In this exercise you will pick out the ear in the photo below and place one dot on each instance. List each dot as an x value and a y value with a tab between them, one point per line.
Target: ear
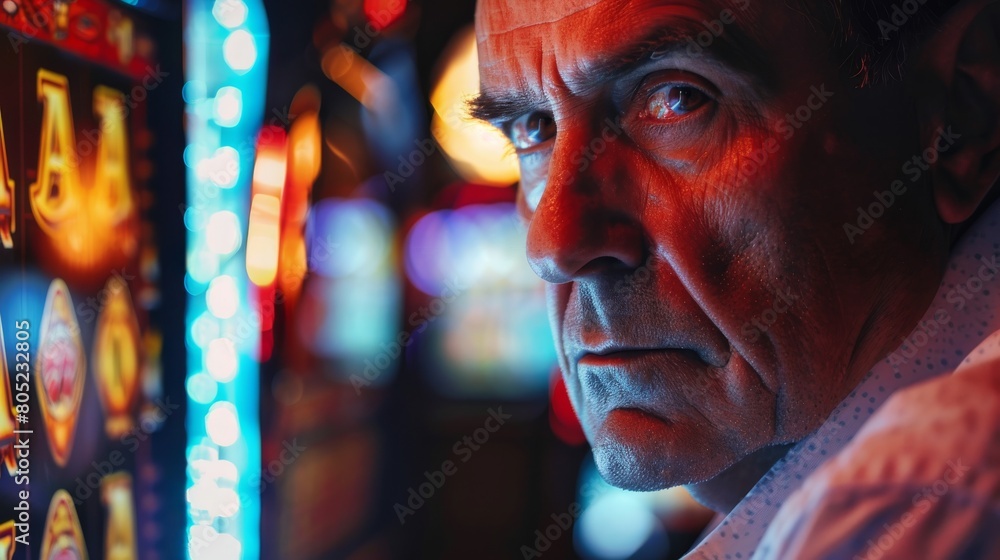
957	86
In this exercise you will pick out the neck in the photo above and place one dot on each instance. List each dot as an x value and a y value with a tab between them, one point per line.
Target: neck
724	491
988	201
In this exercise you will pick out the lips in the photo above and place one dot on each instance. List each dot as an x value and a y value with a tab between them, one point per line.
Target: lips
653	380
609	352
628	357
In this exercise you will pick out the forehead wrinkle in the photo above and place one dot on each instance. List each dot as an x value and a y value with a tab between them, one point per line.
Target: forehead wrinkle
518	15
563	74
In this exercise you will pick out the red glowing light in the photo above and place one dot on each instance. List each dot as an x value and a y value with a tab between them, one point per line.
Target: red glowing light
383	13
562	418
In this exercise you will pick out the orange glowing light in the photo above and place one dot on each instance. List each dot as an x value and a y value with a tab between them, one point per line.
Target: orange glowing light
305	148
264	226
112	183
116	357
477	151
63	537
305	144
262	239
52	195
7	542
6	195
83	204
360	78
120	539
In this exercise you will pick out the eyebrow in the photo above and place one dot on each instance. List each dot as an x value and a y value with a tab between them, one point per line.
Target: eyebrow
733	48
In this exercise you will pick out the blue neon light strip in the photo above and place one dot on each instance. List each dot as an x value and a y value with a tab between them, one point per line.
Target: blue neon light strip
223	449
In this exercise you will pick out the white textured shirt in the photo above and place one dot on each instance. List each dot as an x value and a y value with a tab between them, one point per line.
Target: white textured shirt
908	465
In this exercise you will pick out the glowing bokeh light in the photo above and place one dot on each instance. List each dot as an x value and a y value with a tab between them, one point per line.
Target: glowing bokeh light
615	526
240	50
226	49
475	245
222	169
202	266
223	235
221	360
201	388
193	91
204	329
383	13
347	237
359	78
208	544
228	106
477	151
305	147
222	425
230	13
264	226
263	239
194	219
223	297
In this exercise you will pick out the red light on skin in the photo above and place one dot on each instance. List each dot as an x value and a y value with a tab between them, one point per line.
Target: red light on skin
562	417
383	13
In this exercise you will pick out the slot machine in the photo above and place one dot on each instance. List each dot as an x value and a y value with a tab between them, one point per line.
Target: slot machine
82	398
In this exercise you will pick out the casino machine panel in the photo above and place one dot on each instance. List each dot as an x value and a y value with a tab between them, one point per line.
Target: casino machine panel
82	396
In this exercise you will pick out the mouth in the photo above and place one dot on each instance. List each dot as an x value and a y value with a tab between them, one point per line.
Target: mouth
617	355
631	356
651	380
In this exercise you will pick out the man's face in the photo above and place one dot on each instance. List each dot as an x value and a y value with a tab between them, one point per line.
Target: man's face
688	170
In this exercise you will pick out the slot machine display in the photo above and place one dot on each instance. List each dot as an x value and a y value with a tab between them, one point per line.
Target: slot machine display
82	394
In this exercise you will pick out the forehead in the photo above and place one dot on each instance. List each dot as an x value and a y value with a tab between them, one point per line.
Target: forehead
498	16
519	40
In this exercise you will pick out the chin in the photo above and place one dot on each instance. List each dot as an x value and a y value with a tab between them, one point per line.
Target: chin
636	451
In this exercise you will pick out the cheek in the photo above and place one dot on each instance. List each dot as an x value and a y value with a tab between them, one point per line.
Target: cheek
556	298
534	170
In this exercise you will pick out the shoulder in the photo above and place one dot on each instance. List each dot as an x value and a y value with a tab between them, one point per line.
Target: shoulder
922	475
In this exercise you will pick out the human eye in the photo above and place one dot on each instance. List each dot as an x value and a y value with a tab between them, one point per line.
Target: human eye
530	130
669	113
673	101
673	96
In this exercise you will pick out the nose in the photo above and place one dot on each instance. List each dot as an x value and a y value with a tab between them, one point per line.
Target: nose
588	220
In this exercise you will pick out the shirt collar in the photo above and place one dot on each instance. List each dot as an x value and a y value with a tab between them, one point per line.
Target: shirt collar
959	318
